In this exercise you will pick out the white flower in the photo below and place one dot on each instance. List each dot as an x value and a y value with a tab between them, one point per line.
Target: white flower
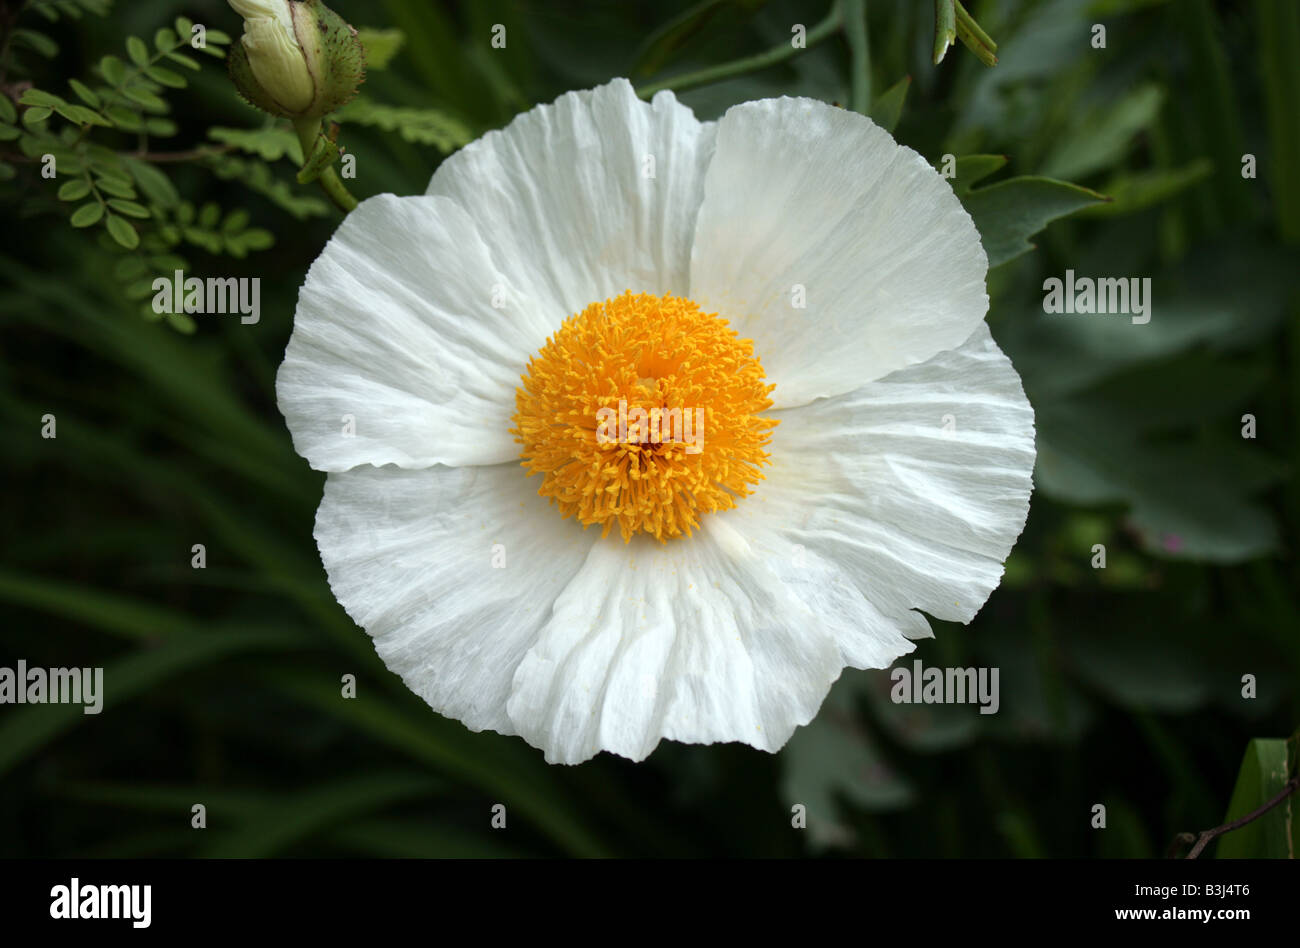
897	478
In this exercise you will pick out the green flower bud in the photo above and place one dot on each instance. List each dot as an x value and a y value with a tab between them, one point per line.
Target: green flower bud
296	59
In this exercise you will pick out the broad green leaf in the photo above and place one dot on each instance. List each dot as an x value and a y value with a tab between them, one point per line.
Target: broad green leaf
153	182
380	46
137	50
165	39
189	62
129	208
166	77
1104	135
1265	770
82	115
117	187
122	231
38	42
160	127
887	109
40	97
87	214
143	97
1136	191
124	118
1010	212
74	190
113	70
972	169
7	111
84	93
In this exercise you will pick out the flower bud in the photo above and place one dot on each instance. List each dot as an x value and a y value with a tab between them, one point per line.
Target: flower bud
296	59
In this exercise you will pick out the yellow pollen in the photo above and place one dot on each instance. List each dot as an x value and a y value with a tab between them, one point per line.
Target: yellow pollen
644	411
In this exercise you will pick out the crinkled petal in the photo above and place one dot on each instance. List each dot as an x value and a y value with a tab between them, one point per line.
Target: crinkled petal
912	489
587	197
697	640
419	316
415	556
842	254
398	355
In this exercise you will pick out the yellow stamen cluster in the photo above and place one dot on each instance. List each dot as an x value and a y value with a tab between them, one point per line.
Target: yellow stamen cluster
655	354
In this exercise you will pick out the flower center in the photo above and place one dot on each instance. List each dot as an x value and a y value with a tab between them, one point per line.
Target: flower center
644	411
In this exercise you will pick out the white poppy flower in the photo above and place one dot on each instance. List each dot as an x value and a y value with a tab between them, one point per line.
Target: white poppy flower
589	252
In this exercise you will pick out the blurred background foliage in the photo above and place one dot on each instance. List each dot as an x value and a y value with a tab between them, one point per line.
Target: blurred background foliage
1120	686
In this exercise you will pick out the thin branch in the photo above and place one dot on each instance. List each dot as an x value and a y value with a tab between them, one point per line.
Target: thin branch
1205	837
737	67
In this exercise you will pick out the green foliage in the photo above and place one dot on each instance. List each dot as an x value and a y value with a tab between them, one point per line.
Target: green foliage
270	143
1266	770
418	125
381	46
888	109
1008	213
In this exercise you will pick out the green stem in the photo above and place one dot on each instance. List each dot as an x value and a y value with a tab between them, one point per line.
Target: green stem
855	32
945	28
974	38
738	67
307	131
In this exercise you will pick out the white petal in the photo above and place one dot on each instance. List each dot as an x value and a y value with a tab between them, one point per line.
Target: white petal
396	333
801	194
696	640
912	489
588	197
409	555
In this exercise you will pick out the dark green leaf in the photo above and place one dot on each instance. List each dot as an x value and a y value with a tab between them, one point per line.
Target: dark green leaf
74	190
142	96
1264	773
113	70
166	77
122	231
87	214
380	46
154	183
137	50
84	93
887	109
1008	213
129	208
